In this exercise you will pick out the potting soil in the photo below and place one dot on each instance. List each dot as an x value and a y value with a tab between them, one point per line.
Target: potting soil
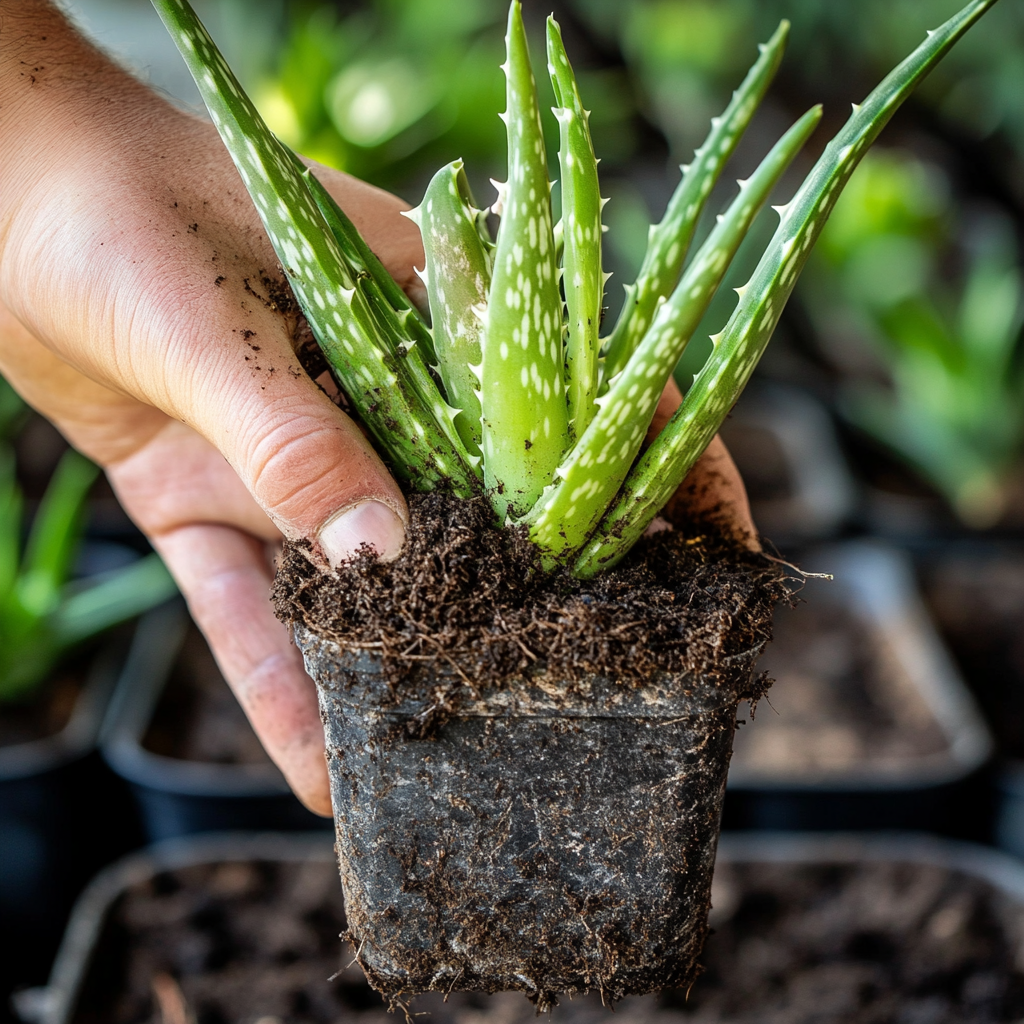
867	943
469	598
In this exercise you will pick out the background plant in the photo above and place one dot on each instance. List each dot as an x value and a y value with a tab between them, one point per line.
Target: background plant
953	404
562	418
44	611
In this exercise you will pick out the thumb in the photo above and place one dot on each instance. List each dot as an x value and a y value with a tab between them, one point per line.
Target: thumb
307	464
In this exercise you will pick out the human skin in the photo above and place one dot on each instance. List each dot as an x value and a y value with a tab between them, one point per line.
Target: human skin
129	258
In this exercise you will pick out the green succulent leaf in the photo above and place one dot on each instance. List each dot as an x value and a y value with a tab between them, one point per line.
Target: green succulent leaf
670	240
591	475
384	378
737	349
363	262
525	423
457	274
582	278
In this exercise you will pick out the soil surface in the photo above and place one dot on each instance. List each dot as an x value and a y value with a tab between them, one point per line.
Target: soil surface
977	598
471	598
884	943
840	700
44	712
197	717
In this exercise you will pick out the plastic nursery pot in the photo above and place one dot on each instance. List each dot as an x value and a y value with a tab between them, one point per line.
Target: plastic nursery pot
783	441
874	725
177	796
807	928
975	589
87	966
63	814
547	839
847	927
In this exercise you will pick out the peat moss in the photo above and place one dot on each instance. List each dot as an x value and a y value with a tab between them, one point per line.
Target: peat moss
468	596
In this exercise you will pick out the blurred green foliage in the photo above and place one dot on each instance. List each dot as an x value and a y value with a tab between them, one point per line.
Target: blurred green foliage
399	87
43	611
938	299
685	54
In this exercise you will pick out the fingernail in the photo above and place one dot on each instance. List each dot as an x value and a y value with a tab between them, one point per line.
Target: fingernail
370	523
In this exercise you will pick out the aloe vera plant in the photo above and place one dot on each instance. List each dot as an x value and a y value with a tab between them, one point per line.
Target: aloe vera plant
43	612
510	392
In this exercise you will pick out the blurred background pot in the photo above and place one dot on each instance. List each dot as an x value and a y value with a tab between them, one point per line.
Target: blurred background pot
910	926
181	741
785	447
869	723
63	814
975	590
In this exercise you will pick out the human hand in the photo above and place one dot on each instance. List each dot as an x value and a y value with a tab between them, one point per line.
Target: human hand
135	317
131	266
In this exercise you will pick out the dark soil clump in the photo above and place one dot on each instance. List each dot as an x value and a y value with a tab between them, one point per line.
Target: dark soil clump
470	597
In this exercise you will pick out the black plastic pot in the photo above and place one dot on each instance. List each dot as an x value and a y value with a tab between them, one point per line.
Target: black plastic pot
785	445
976	591
178	797
63	814
548	839
943	790
56	1002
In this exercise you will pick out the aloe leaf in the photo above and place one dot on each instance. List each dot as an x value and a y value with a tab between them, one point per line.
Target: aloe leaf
582	279
117	597
595	469
522	392
376	372
670	240
55	534
457	274
363	261
739	346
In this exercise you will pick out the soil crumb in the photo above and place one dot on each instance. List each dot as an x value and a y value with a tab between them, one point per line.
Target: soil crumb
470	597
